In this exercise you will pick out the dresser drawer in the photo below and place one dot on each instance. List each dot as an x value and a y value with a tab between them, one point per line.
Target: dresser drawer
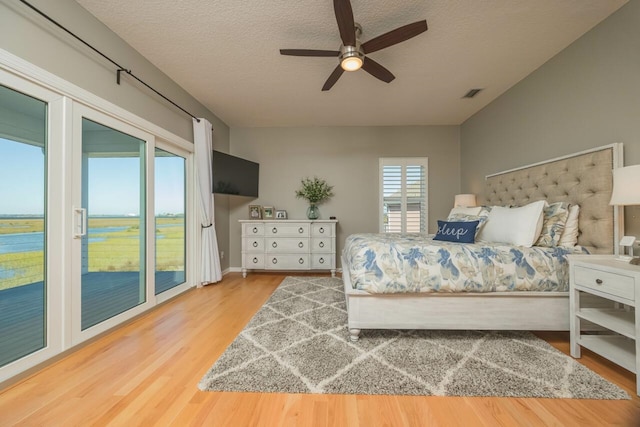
254	244
253	261
322	261
319	230
319	244
288	262
253	230
603	281
287	229
287	245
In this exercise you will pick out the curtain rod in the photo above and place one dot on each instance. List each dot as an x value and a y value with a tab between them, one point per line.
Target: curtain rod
120	67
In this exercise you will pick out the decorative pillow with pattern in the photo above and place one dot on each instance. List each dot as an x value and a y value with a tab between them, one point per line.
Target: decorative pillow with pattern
464	210
569	236
481	217
554	222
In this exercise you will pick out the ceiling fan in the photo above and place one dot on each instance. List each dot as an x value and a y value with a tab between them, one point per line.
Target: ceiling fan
352	53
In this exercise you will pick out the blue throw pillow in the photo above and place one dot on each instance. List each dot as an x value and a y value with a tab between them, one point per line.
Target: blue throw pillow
457	231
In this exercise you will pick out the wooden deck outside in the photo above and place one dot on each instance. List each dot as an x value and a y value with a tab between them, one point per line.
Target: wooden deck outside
105	294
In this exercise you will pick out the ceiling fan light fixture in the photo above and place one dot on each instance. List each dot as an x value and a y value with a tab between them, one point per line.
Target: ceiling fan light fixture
351	58
352	63
352	52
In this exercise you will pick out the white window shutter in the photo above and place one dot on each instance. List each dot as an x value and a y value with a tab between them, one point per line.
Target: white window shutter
403	189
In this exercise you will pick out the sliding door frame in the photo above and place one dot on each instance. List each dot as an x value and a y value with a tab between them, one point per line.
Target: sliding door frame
191	224
54	250
79	182
63	98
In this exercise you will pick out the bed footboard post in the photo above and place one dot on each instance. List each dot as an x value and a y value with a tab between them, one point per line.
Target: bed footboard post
354	334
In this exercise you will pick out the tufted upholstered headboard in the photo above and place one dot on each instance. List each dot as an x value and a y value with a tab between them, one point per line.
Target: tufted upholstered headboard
583	178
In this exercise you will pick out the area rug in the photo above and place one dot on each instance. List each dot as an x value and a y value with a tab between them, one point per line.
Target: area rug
298	343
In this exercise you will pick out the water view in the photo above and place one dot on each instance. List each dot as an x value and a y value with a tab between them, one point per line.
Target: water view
114	241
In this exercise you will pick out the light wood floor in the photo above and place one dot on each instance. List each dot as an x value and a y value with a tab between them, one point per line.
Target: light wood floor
146	373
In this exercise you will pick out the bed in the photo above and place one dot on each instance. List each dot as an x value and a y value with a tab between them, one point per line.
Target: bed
533	302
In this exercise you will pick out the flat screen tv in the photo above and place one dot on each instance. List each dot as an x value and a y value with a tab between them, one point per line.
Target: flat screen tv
233	175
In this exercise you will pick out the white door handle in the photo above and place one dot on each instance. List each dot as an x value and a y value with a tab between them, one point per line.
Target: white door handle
79	223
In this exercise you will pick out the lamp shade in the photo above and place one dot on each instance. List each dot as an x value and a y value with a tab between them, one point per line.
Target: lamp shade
465	201
626	186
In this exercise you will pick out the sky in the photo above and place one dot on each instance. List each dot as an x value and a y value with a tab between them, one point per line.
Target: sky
114	183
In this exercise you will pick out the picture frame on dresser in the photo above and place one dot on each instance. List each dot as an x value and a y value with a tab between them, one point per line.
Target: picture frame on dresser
255	212
267	212
281	214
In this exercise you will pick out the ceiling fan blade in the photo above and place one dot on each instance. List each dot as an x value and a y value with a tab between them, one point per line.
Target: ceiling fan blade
309	52
394	36
377	70
344	16
333	78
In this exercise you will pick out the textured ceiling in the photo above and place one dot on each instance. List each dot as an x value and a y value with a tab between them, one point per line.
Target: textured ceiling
226	54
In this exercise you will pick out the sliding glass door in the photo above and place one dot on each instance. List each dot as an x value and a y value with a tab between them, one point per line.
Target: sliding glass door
170	204
23	288
96	218
110	222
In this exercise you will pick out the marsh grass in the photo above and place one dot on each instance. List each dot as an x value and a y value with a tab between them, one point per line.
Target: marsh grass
119	251
10	226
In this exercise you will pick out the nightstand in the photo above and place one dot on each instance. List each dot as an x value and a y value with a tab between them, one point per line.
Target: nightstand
602	296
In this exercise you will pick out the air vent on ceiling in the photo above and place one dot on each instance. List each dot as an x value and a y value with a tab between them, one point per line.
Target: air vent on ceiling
471	93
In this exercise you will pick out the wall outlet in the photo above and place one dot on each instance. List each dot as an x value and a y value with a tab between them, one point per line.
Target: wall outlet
221	254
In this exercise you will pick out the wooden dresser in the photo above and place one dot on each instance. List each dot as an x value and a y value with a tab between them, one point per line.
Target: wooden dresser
288	245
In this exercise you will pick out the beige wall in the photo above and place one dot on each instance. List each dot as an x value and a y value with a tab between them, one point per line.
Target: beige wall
347	157
586	96
29	36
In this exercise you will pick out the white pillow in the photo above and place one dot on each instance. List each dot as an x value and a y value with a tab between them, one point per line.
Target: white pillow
465	211
518	226
569	236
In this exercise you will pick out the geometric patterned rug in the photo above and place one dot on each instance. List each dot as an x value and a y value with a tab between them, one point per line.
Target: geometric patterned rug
298	343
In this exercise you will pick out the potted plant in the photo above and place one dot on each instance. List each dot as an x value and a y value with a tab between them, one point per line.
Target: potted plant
315	191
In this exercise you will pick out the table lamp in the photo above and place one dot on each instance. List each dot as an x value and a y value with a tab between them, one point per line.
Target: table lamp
626	192
465	201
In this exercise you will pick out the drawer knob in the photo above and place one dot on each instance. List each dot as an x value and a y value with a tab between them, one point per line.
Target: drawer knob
300	230
274	244
301	261
255	229
275	260
321	229
275	230
321	260
599	281
301	245
255	244
321	244
255	260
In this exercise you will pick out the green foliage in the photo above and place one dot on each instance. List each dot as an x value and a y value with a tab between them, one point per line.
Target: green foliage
315	190
119	251
10	226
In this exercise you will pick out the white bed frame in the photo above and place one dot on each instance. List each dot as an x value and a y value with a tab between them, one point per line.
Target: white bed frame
535	311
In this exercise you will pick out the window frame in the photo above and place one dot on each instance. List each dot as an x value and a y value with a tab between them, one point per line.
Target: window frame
53	260
403	162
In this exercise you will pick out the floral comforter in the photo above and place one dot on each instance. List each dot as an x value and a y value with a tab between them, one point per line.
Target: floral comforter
396	263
